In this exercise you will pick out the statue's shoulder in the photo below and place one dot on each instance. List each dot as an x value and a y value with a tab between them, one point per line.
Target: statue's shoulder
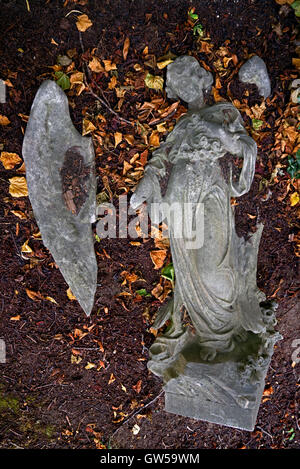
220	113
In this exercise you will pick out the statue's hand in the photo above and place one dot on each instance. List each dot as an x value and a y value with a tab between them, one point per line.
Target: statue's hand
143	192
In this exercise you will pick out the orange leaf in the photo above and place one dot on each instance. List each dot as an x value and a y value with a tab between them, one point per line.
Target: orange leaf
95	65
268	391
109	66
138	386
70	294
4	120
33	295
111	379
83	23
118	138
9	160
154	139
158	258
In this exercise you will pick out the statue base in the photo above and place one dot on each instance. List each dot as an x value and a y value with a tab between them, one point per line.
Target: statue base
225	389
214	394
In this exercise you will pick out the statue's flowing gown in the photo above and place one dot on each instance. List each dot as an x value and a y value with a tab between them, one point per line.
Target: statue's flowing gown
214	281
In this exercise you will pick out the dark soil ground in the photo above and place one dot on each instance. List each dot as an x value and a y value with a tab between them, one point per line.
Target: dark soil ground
51	394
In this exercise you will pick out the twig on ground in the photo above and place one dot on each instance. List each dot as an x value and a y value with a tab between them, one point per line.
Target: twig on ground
135	413
102	100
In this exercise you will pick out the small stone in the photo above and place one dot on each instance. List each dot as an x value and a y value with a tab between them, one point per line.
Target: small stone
64	60
254	71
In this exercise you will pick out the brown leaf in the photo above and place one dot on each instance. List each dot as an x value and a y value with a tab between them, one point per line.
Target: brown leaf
126	48
9	160
83	23
138	386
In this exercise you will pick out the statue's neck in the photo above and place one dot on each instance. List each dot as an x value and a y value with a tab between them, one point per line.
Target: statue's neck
196	105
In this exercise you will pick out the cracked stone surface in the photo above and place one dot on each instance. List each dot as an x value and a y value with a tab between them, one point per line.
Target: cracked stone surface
49	138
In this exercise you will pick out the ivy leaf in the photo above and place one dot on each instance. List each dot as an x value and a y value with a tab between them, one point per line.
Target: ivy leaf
294	166
143	292
256	124
168	272
62	80
296	6
198	29
193	16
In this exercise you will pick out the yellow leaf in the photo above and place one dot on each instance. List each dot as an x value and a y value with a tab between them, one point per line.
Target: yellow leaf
109	66
89	366
88	127
161	127
95	65
49	298
154	82
118	138
129	139
111	379
26	248
294	198
18	187
83	23
127	166
75	359
9	160
19	214
70	294
123	388
163	64
126	48
4	120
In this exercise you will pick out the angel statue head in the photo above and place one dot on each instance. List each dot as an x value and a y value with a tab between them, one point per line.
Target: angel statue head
187	80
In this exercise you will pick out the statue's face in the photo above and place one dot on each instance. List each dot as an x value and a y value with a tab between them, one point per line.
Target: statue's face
186	87
186	79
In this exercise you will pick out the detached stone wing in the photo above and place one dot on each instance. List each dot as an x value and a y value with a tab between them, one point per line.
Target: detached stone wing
62	189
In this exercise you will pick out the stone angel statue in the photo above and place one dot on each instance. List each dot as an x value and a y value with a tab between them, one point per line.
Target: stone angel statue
214	282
